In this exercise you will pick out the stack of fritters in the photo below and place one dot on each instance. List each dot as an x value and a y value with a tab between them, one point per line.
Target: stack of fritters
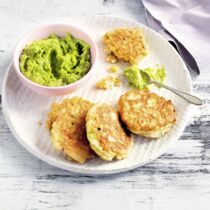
146	114
81	128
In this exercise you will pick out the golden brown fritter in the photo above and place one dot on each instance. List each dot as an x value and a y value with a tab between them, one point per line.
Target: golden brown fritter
68	128
126	44
146	113
105	133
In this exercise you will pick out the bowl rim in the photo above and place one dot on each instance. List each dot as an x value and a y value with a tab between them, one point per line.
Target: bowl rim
16	58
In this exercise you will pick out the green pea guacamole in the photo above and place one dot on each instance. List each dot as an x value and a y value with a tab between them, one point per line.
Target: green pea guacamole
55	61
137	78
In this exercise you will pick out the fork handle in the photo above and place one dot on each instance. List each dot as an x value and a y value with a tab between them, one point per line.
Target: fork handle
188	97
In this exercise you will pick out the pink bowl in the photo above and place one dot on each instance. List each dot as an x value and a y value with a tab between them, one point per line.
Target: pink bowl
43	32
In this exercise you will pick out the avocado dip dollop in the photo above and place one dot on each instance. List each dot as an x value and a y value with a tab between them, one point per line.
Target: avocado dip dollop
55	61
136	77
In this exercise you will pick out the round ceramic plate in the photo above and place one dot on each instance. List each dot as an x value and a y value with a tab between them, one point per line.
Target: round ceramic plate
26	111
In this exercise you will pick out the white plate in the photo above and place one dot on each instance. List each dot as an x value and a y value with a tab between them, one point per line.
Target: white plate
24	109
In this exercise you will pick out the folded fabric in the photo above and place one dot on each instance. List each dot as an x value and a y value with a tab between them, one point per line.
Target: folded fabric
186	24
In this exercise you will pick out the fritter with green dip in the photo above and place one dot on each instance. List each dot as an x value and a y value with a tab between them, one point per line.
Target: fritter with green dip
56	61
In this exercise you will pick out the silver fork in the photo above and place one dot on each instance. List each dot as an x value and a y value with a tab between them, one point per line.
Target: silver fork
188	97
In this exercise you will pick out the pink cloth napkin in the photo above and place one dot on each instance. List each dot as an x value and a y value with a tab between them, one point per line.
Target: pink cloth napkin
186	24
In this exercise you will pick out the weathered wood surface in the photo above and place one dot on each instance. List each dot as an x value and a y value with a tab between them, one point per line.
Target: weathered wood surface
179	179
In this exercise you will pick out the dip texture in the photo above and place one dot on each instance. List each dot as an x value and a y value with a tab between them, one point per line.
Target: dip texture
55	61
137	79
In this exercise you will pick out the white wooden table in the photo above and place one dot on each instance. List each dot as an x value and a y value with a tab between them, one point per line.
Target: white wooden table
177	180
